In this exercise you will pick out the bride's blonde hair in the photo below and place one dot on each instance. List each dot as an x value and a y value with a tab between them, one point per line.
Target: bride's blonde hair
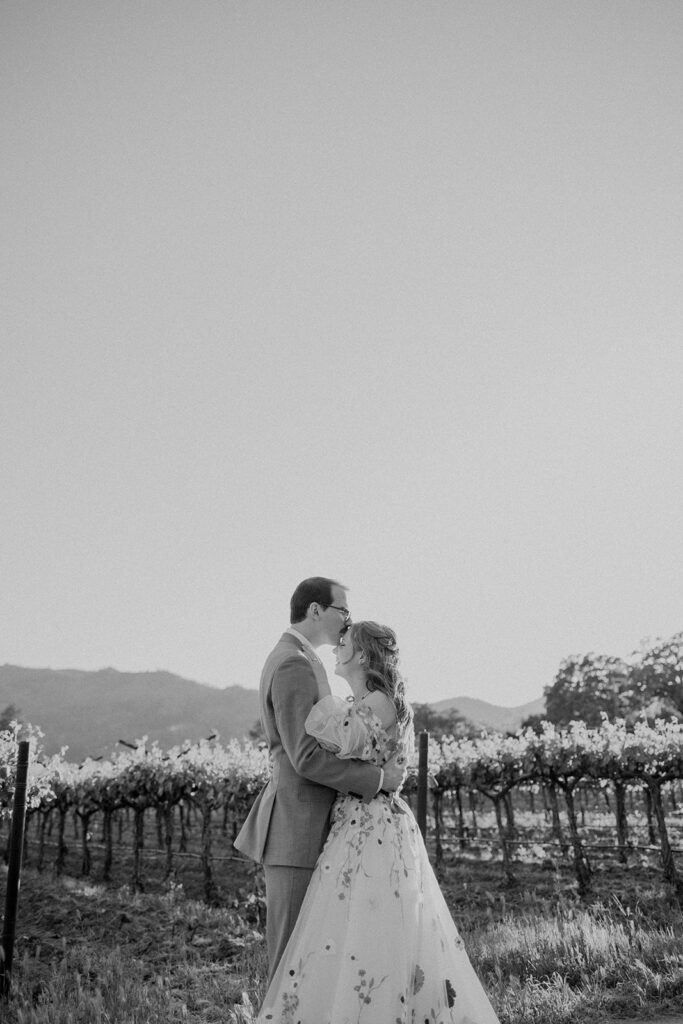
378	644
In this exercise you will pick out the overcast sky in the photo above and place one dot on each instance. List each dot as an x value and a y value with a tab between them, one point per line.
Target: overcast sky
385	291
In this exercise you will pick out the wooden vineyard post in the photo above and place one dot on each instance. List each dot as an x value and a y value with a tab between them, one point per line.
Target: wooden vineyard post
14	868
422	765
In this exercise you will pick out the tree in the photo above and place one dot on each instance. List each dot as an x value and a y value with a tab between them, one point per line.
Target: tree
586	687
450	723
533	722
9	714
657	678
256	733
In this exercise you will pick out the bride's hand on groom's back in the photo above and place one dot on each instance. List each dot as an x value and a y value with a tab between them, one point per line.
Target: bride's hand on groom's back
395	771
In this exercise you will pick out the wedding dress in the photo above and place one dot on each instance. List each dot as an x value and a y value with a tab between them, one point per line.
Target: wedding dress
374	942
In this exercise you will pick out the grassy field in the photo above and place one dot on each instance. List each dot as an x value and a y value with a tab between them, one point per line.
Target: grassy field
91	954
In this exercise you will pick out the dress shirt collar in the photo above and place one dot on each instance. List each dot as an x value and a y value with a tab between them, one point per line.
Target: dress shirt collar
308	647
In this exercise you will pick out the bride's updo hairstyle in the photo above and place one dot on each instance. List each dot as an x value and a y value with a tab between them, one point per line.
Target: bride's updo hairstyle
378	644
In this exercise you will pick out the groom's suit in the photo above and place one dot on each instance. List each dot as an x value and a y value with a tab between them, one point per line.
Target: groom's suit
289	821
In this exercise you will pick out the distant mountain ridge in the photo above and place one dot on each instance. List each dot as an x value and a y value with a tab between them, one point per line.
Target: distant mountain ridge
89	712
491	716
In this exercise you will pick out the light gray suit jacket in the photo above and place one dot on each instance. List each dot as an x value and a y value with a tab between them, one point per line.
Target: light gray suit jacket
290	818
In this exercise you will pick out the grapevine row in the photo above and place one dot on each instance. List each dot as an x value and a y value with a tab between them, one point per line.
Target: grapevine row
211	779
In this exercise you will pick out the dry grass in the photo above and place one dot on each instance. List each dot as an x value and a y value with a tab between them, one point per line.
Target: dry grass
90	954
87	954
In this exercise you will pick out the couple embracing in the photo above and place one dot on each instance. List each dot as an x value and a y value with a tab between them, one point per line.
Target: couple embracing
357	928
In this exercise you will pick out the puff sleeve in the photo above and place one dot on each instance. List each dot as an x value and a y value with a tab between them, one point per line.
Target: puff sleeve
345	729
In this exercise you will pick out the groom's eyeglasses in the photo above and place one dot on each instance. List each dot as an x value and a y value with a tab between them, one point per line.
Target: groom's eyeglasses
339	608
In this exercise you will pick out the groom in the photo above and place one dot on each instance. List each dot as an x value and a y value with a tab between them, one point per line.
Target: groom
289	821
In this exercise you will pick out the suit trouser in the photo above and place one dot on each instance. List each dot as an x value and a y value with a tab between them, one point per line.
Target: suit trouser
285	890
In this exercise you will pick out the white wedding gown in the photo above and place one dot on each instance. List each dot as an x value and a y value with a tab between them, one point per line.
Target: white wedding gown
375	942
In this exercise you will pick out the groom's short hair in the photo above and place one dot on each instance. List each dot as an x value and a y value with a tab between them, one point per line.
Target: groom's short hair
316	589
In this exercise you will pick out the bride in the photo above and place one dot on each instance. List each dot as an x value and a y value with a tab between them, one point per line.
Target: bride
374	942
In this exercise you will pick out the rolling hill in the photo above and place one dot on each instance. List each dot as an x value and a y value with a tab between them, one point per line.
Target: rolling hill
491	716
90	711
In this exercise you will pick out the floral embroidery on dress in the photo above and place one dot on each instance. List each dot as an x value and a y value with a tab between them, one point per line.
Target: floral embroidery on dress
365	988
379	746
418	979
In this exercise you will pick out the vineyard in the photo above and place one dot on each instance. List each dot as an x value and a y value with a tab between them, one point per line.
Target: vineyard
580	796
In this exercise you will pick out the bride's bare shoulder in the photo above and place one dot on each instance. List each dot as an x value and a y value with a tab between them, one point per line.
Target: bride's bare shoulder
383	707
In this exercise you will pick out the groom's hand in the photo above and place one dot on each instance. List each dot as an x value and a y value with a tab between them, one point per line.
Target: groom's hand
395	771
